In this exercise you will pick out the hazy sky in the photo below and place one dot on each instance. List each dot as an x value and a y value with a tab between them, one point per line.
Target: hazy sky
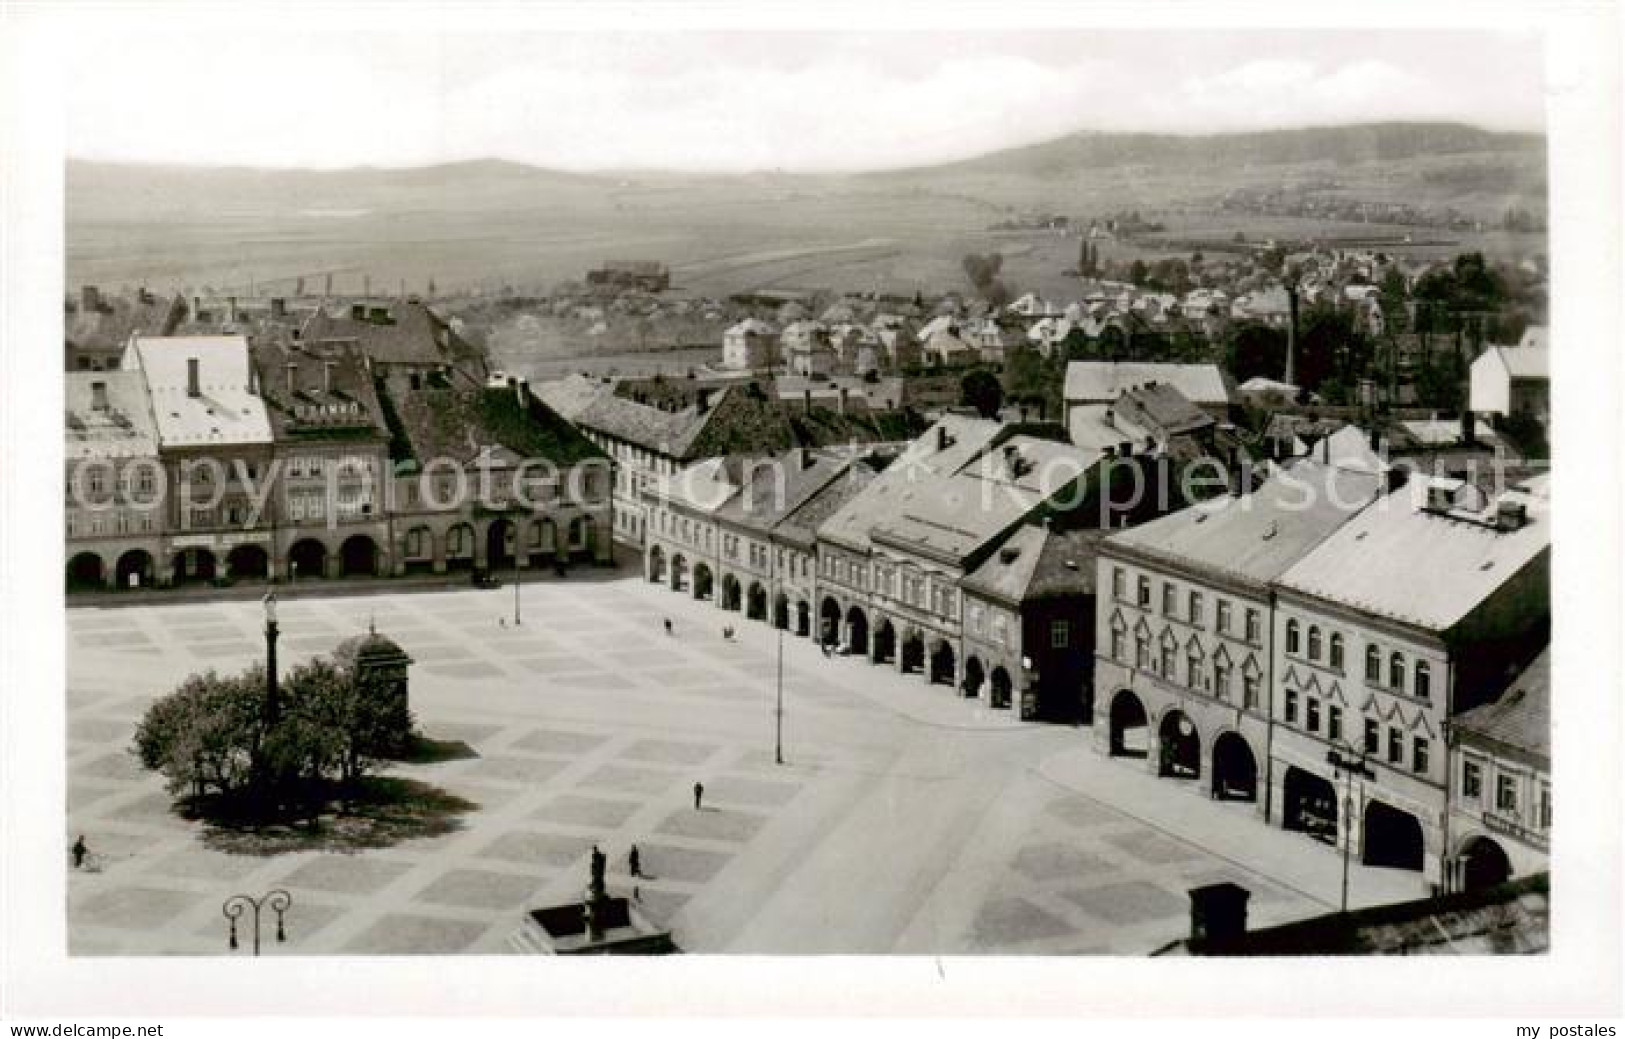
793	100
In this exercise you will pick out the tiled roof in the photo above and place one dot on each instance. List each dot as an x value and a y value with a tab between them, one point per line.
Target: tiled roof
225	410
458	423
317	395
412	335
111	325
126	429
800	527
1521	717
1104	381
1257	537
776	487
1398	560
1164	409
1035	564
944	448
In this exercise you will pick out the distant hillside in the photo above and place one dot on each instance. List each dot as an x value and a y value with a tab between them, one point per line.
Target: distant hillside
1369	142
492	224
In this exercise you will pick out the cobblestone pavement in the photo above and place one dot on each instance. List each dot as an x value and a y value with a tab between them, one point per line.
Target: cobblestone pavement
904	819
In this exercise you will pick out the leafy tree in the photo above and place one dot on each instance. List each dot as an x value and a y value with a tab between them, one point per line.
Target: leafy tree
206	735
1255	349
980	389
1137	272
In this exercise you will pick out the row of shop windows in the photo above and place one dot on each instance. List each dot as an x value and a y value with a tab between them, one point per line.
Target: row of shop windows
1195	608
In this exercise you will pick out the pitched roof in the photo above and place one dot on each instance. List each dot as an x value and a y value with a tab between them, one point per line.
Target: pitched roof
225	411
413	334
944	448
1521	717
111	325
1105	381
1524	362
800	526
459	422
1256	537
317	395
1400	560
775	487
1163	409
1034	564
125	429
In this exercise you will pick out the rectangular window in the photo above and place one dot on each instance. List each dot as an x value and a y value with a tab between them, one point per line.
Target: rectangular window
1396	746
1545	806
1221	681
1117	582
1117	644
1419	754
1195	604
1373	737
1334	723
1144	592
1291	706
1506	793
1472	781
1222	618
1167	599
1252	626
1058	634
1312	715
1249	685
1168	662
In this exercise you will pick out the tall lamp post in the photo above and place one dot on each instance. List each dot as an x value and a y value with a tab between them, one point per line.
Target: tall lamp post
1349	767
516	573
236	906
273	708
778	702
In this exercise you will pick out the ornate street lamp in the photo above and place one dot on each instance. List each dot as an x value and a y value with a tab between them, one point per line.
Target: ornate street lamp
237	905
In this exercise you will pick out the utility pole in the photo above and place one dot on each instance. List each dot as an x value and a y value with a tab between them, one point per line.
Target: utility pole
778	705
1349	767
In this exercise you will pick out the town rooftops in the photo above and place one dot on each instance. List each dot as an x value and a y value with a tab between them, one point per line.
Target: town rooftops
800	526
944	449
1256	537
1425	566
1162	408
202	391
310	395
775	487
506	424
1521	718
99	322
1101	382
113	422
403	333
1036	563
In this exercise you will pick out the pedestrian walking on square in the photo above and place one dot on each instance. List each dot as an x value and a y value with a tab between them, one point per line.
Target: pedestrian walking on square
502	622
668	625
79	852
634	864
699	792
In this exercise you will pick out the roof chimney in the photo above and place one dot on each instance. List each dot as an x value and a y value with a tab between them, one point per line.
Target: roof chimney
842	405
292	368
98	396
942	438
521	392
192	388
279	307
358	312
327	376
1510	515
231	309
89	298
702	401
1467	430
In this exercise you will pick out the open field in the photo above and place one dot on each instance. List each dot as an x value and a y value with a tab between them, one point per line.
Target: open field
485	225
